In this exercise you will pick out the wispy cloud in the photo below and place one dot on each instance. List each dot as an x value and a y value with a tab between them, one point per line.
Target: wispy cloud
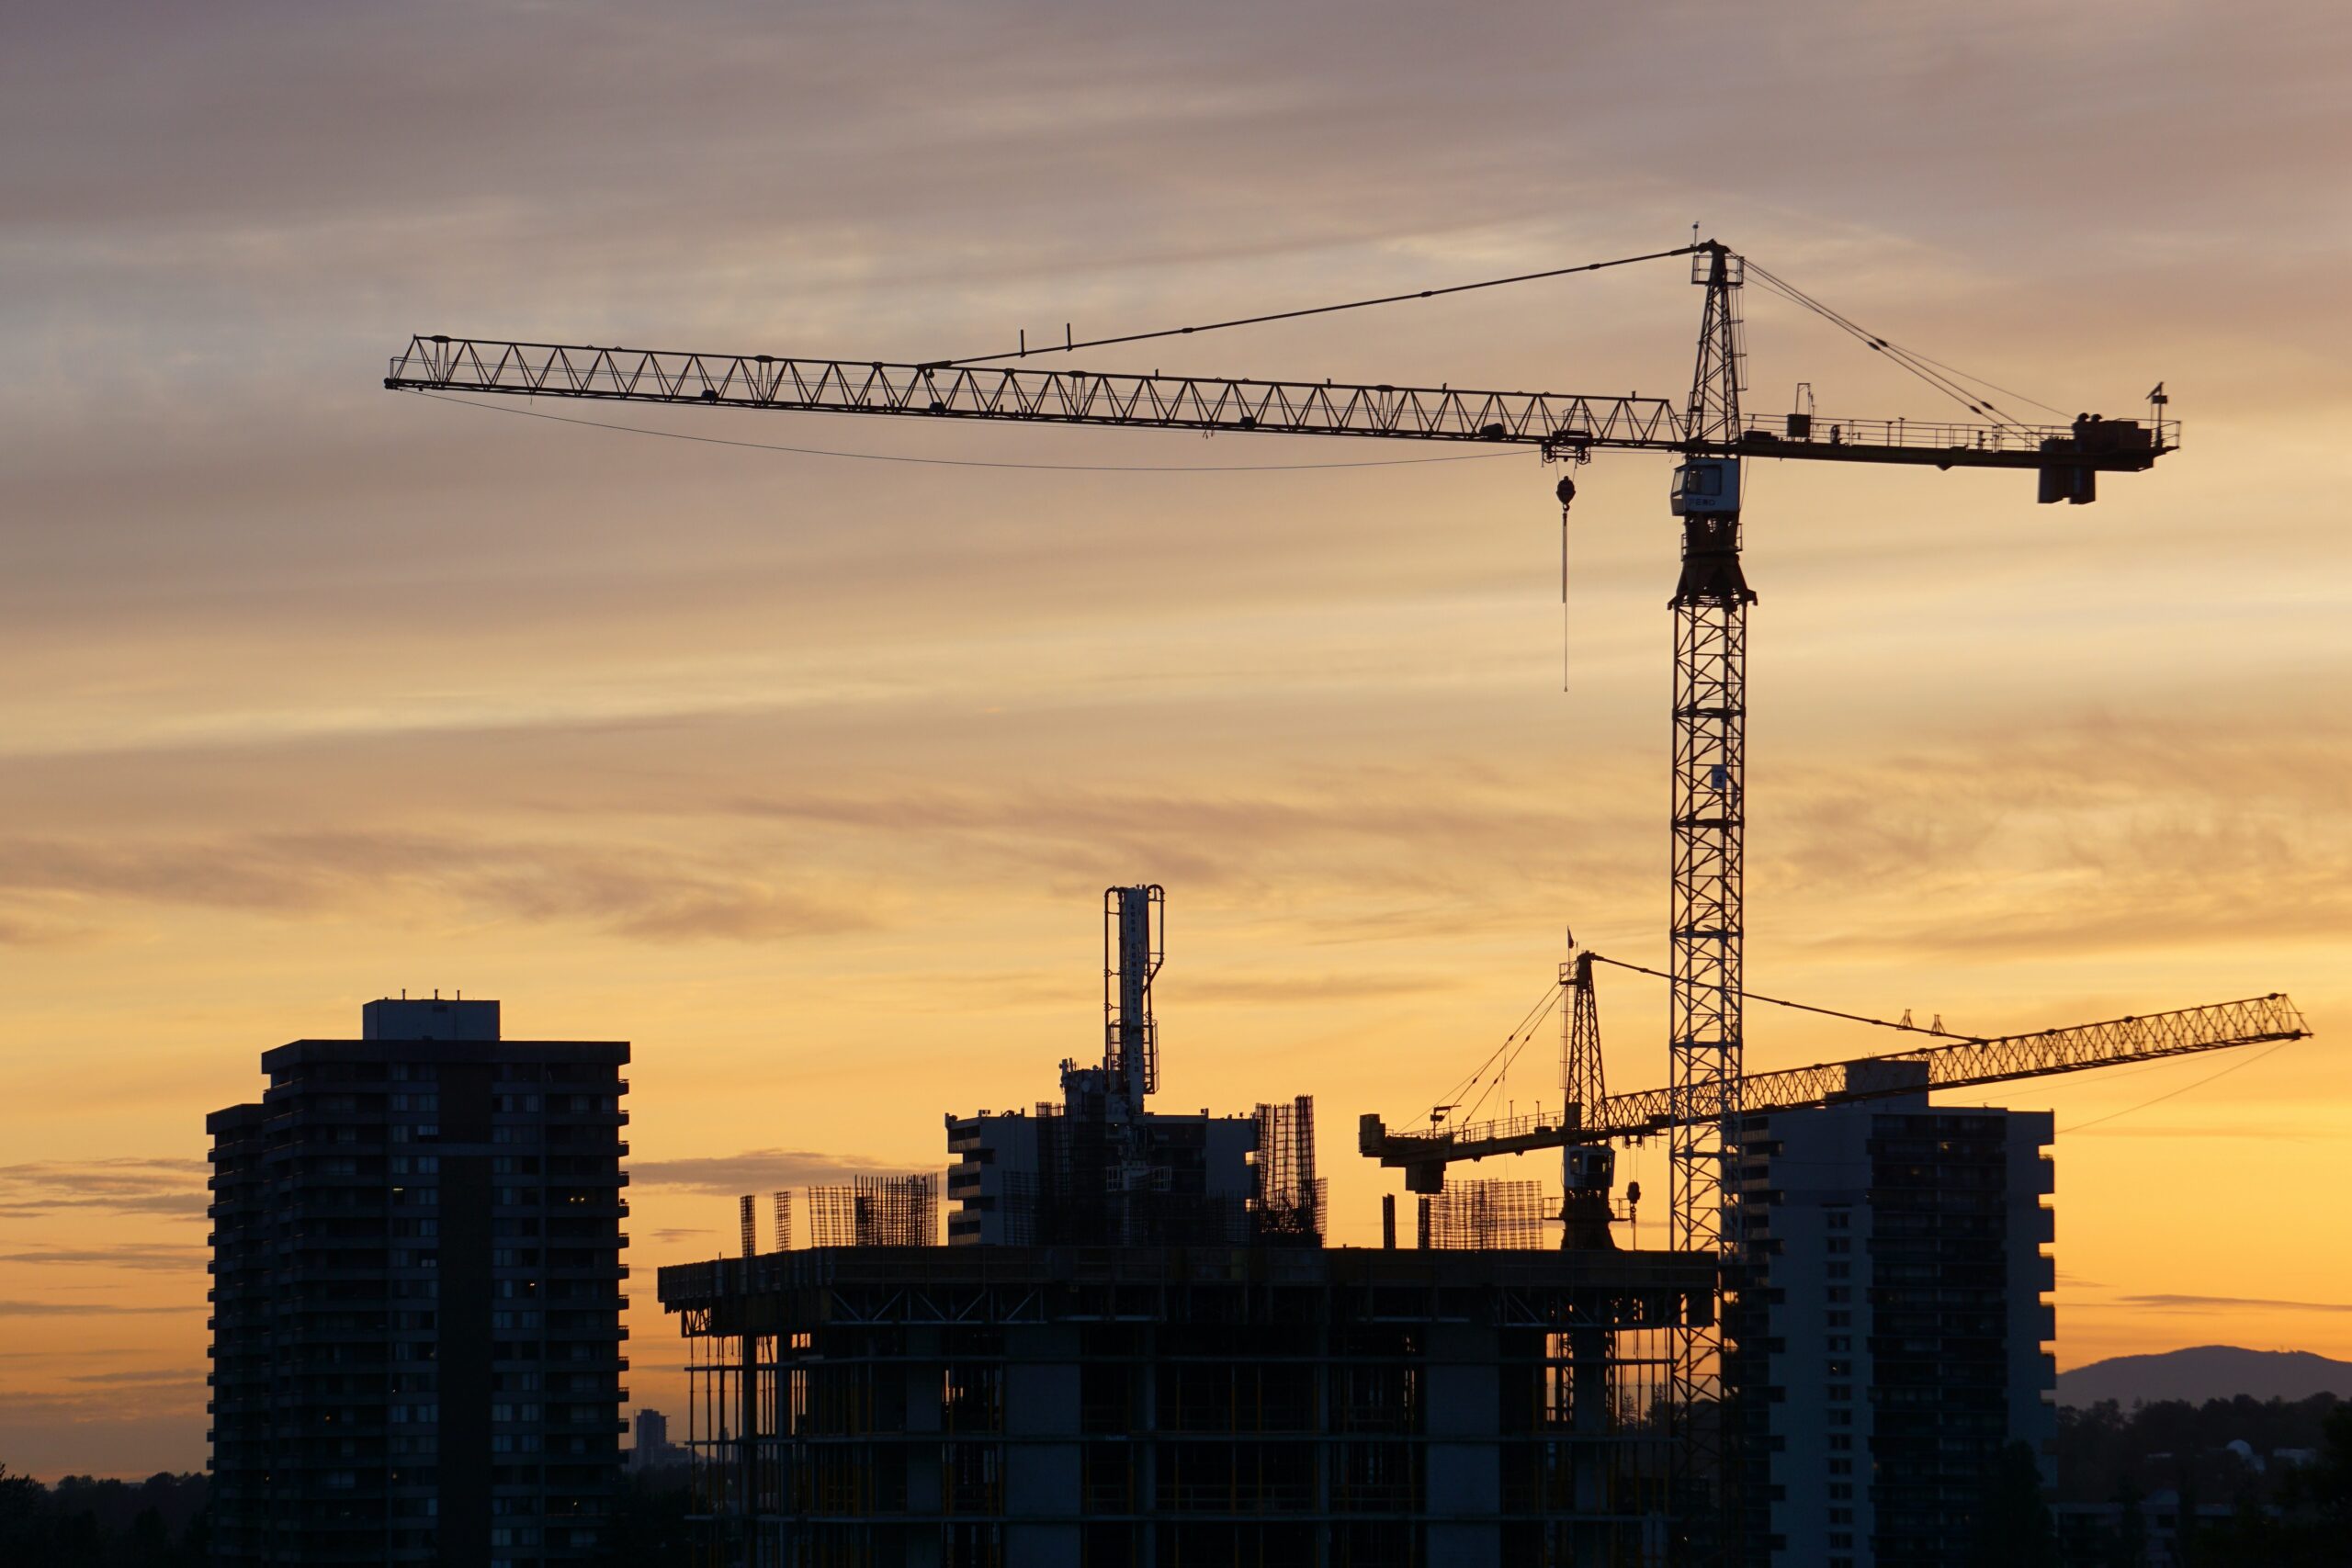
84	1309
2226	1131
2227	1303
170	1187
758	1171
144	1377
1312	989
157	1257
655	895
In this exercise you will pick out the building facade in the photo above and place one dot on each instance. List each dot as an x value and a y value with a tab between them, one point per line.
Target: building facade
1891	1333
416	1297
1136	1352
1182	1407
1094	1169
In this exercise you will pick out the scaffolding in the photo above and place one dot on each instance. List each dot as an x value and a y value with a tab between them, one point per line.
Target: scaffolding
1483	1215
875	1210
1184	1407
1291	1203
782	1220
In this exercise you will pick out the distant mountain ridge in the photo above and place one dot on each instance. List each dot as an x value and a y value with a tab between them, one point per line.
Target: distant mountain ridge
2204	1373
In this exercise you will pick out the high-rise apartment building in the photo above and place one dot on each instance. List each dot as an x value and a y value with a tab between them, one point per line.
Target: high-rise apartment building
1892	1336
417	1297
654	1448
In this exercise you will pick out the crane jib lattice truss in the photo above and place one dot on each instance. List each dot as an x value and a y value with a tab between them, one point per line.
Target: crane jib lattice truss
1560	422
1964	1065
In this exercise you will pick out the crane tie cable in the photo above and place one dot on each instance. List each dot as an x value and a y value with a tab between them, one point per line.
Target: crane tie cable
1534	1016
1936	373
1067	347
1503	1072
1808	1006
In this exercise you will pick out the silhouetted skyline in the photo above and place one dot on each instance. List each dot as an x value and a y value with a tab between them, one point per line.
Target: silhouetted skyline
802	772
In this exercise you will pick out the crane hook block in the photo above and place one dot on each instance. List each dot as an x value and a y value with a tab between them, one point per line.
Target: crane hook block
1566	492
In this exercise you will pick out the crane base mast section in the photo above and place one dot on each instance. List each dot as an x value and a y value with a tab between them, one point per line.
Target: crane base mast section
1705	929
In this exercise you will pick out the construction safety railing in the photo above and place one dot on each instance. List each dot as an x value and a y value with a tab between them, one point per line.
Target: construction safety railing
1962	1065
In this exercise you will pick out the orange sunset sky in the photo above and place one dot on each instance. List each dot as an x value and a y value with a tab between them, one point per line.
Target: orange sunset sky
804	773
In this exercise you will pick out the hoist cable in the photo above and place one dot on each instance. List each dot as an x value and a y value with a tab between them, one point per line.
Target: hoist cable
2183	1088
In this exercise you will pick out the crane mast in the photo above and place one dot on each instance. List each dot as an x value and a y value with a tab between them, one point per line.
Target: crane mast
1705	923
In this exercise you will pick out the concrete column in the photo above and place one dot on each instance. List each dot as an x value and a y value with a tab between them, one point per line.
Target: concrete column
1041	1463
925	1391
1465	1472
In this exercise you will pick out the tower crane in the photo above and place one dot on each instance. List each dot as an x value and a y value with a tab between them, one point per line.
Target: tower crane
1592	1118
1708	434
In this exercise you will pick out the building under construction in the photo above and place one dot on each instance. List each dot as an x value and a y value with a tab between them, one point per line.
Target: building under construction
1136	1348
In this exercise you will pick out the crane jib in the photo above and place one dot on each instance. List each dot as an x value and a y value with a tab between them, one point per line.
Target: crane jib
1560	424
1647	1114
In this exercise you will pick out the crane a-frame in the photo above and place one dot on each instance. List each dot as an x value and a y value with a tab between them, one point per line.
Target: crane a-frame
1711	435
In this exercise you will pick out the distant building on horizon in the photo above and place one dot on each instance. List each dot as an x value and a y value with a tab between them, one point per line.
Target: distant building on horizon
417	1297
654	1448
1893	1335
